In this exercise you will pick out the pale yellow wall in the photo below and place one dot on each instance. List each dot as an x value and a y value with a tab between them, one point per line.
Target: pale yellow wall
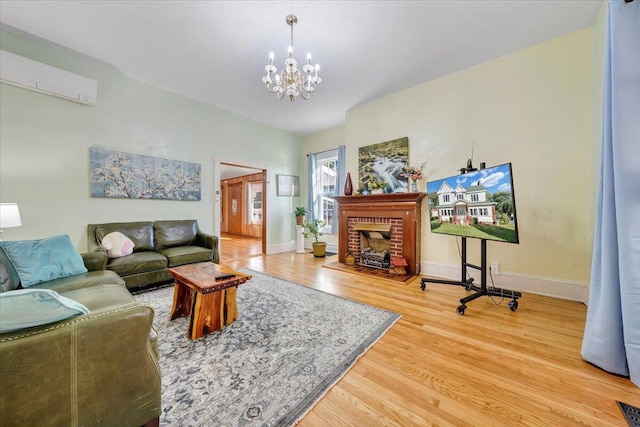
44	150
531	108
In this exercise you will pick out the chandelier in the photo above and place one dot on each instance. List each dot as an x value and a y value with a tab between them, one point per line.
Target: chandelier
291	81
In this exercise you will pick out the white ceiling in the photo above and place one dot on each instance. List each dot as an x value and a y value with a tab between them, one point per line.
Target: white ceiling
215	51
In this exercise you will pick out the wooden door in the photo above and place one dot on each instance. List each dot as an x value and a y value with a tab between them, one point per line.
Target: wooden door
235	208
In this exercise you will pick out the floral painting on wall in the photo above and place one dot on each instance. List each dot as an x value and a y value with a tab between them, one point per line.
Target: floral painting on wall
120	175
383	165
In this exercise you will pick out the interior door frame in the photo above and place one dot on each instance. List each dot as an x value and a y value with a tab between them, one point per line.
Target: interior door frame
217	211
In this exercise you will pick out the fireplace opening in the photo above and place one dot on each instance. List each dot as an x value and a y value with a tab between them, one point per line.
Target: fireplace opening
375	245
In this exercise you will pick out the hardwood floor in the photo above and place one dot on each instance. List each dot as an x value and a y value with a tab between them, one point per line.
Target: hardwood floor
490	367
237	247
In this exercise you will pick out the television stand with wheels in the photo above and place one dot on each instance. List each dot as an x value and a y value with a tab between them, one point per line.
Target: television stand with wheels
467	283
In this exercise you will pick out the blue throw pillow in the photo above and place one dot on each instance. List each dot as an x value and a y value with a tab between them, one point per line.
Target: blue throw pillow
38	261
25	308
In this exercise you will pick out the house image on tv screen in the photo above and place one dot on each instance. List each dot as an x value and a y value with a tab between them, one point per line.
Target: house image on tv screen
464	206
477	204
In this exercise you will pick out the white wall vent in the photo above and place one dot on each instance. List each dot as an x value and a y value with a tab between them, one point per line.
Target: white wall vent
26	73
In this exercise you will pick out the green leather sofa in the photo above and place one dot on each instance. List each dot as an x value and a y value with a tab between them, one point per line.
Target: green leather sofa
99	368
158	246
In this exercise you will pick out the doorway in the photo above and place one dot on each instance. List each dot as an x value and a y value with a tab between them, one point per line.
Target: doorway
243	224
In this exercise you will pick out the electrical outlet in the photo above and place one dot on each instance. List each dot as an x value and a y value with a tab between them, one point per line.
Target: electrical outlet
494	268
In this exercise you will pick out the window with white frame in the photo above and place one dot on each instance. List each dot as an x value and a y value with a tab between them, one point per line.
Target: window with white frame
254	207
325	187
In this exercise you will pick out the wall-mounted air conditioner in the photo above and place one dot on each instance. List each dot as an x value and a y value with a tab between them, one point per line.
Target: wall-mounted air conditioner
26	73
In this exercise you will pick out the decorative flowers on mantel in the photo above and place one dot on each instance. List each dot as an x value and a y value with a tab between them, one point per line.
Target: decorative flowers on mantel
413	174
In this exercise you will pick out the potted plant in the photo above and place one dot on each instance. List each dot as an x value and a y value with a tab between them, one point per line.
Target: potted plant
376	185
300	212
314	229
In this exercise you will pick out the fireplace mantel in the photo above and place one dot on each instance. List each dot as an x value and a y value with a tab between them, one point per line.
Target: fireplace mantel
396	206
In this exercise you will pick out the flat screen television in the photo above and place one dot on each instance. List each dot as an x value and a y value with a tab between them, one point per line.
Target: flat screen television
479	204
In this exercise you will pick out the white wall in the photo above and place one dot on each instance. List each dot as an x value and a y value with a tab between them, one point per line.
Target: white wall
44	150
532	108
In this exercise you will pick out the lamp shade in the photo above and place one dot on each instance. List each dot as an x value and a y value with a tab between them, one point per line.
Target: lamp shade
9	215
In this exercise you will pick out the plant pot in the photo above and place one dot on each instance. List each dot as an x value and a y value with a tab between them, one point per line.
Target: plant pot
299	220
319	249
377	191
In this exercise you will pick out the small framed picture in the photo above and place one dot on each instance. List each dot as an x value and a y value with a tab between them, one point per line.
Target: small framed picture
287	185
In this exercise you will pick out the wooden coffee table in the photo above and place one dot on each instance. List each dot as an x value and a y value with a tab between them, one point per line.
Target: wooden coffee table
207	293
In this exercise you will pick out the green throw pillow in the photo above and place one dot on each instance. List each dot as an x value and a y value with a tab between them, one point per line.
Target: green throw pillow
38	261
25	308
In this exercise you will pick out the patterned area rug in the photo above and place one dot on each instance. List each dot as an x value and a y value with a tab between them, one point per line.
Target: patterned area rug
289	345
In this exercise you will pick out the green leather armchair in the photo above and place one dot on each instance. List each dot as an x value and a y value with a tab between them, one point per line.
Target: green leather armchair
94	369
98	369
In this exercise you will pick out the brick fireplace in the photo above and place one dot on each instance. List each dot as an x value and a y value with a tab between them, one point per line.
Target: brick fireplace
402	211
373	248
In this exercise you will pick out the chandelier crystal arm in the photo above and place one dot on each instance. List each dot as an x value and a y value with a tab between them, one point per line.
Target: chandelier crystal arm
291	81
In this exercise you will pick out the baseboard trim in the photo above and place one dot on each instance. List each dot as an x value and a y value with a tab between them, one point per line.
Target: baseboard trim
539	285
332	247
286	247
282	247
